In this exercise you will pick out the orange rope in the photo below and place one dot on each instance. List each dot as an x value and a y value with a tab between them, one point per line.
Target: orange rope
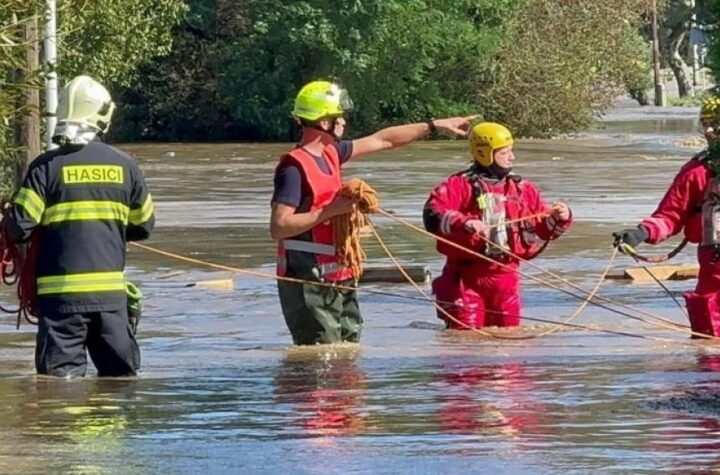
346	227
658	321
441	309
344	287
18	268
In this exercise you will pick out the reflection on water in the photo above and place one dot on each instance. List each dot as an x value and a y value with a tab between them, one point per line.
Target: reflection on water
84	421
314	410
487	400
323	389
222	391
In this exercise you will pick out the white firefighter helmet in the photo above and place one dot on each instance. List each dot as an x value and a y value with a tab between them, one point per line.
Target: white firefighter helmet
84	110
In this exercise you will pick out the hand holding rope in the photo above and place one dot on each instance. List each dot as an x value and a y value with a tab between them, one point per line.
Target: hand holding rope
13	271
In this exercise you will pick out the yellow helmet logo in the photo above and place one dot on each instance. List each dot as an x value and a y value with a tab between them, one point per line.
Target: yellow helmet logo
710	108
485	138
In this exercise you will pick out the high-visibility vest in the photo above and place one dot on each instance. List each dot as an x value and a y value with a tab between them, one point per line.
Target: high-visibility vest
318	242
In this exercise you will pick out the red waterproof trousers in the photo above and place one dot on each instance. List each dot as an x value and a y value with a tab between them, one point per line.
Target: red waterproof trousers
478	294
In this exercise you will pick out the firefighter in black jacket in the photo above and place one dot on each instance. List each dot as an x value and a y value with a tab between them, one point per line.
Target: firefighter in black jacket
86	199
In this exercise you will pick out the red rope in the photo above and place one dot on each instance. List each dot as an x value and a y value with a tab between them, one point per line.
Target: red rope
19	270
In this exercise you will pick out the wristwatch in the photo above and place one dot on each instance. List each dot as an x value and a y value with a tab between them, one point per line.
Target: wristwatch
431	124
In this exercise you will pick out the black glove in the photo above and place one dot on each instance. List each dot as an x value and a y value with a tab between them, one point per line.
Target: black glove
631	236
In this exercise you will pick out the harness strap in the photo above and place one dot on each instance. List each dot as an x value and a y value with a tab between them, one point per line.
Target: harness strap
309	246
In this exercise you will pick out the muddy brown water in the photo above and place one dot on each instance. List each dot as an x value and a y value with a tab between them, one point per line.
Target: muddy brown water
223	391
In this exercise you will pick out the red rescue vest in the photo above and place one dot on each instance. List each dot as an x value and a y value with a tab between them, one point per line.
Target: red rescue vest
319	241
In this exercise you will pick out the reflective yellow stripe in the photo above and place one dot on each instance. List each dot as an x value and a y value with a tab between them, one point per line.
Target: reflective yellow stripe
94	276
90	282
76	288
86	210
142	214
31	201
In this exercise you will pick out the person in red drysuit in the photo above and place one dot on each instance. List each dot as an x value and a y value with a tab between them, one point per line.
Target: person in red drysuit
692	205
470	208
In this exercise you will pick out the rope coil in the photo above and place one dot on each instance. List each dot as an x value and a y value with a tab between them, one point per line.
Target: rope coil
18	268
346	227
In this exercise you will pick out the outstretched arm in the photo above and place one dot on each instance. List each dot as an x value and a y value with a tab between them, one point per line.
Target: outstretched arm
685	193
399	135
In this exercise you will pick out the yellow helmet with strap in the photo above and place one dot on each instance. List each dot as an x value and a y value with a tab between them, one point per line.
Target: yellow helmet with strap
485	138
320	99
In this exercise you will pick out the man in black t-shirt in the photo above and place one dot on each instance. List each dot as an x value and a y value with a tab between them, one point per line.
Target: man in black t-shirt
307	181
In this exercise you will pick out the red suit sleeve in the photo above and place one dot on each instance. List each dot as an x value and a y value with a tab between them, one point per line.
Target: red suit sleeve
445	213
547	228
676	207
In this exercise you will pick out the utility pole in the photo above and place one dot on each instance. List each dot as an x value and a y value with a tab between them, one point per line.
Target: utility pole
30	125
49	64
659	88
692	45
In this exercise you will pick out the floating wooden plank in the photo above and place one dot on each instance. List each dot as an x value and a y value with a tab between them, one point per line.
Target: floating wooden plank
690	271
371	274
217	284
640	275
220	284
171	274
390	274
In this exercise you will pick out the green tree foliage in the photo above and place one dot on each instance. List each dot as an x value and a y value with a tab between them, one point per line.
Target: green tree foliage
107	40
563	61
675	22
13	81
179	97
404	59
542	66
400	59
709	14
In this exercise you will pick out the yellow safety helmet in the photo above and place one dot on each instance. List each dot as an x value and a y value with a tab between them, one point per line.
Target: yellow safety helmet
485	138
710	108
320	99
85	102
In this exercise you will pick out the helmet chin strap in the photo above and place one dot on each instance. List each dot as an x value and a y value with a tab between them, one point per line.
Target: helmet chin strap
330	132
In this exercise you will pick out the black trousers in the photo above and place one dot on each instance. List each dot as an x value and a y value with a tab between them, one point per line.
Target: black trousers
64	339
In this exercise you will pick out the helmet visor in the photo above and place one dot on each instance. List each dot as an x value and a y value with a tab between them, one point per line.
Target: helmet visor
345	102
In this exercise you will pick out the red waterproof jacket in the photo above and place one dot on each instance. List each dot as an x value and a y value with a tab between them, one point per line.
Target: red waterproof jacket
680	208
459	199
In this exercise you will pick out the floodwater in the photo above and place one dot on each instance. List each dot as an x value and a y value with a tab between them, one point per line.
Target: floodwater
223	391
